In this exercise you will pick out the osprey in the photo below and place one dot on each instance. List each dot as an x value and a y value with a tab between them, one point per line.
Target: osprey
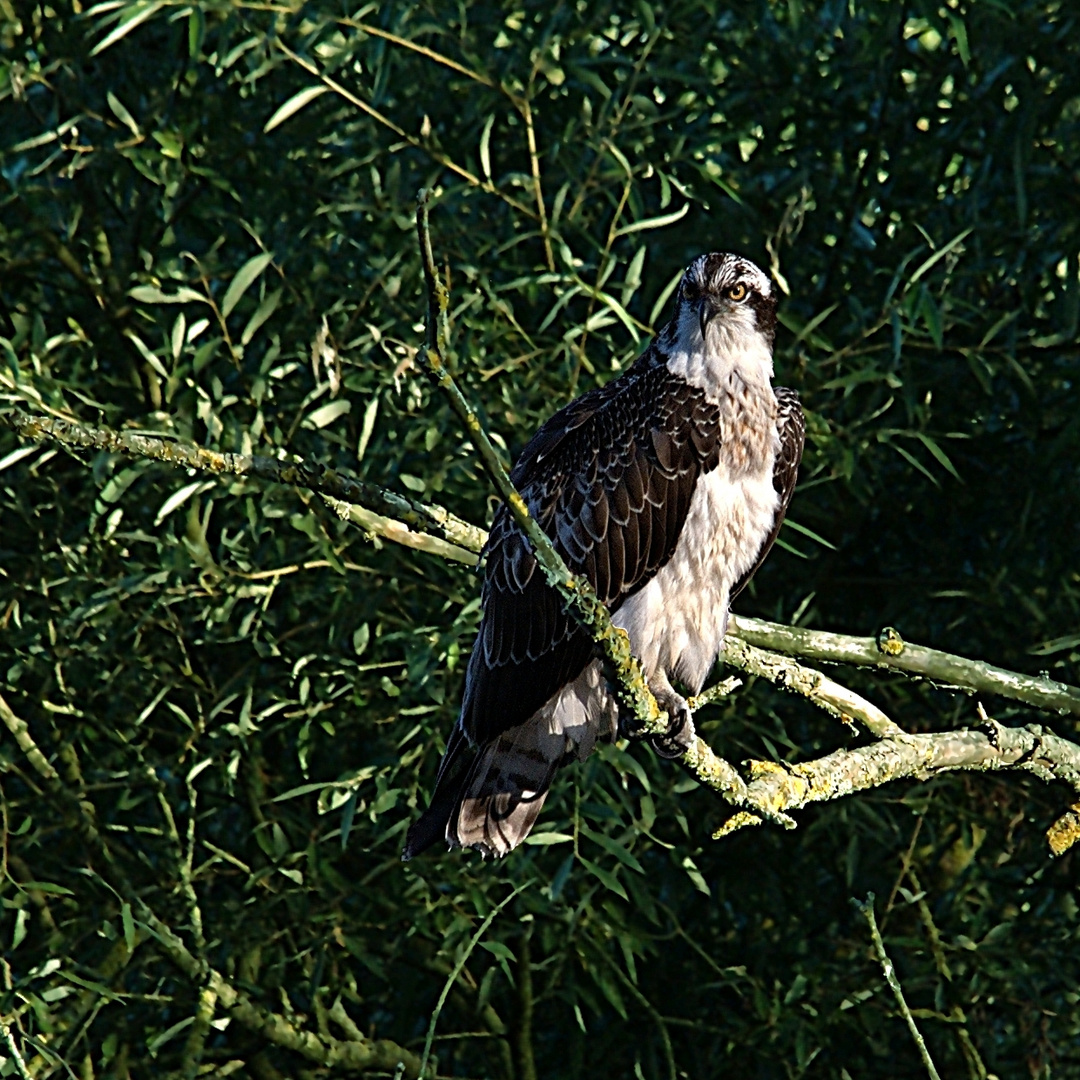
666	488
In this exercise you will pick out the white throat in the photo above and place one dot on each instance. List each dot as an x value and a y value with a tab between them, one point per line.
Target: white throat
734	348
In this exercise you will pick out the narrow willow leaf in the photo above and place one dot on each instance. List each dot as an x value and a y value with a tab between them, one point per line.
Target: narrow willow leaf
153	360
621	312
788	523
129	926
17	455
485	147
695	876
178	498
262	313
347	816
178	331
294	105
605	877
814	323
151	294
370	413
632	281
121	112
615	848
940	454
22	917
546	839
940	254
245	277
959	33
45	887
156	1044
327	414
655	222
913	460
663	298
139	15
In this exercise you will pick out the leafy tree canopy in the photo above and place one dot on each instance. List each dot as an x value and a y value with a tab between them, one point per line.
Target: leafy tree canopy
237	699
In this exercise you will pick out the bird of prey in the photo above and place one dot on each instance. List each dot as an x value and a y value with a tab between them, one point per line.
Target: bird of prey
666	489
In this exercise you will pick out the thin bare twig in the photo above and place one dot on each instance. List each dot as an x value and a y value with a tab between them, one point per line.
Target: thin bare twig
867	910
457	969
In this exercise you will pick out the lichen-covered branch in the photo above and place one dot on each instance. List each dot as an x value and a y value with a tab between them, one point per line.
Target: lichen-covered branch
407	514
580	599
782	788
399	532
835	699
213	990
889	650
433	529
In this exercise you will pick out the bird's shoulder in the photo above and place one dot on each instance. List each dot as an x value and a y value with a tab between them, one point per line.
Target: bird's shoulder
646	407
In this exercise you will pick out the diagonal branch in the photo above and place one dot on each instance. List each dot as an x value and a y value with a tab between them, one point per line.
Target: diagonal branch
580	599
431	528
388	512
213	989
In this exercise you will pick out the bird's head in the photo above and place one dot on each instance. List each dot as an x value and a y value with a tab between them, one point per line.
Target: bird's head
727	295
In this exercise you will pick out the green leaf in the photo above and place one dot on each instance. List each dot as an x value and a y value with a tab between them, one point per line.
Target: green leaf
347	816
606	877
294	105
940	254
485	147
121	113
665	295
138	15
789	523
157	1043
938	453
44	887
367	427
22	917
546	839
959	33
694	875
17	455
327	414
655	222
814	323
151	294
615	848
911	459
262	313
178	498
129	926
153	360
245	277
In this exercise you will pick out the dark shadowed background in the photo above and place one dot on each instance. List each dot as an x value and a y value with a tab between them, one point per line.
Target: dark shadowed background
911	175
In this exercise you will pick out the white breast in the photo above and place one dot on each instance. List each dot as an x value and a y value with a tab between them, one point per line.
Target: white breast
676	623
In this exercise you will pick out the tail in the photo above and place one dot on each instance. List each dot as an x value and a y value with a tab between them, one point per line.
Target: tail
489	798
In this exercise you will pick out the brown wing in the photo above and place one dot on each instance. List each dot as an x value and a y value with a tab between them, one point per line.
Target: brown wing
610	479
791	426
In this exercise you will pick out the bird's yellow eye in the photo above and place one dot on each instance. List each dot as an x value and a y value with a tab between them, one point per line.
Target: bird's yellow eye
737	292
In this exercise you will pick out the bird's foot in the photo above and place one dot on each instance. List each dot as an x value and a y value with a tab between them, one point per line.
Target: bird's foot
680	733
674	742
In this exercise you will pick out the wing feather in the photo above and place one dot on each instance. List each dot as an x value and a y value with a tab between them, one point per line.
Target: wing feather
610	479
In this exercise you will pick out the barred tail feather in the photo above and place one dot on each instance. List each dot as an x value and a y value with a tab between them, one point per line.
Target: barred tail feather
489	799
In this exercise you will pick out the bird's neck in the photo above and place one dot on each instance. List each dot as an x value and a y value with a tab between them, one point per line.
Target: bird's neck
732	353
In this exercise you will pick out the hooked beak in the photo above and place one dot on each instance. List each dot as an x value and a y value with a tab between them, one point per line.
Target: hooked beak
706	313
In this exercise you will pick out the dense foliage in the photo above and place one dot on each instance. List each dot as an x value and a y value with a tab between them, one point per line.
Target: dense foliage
206	231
